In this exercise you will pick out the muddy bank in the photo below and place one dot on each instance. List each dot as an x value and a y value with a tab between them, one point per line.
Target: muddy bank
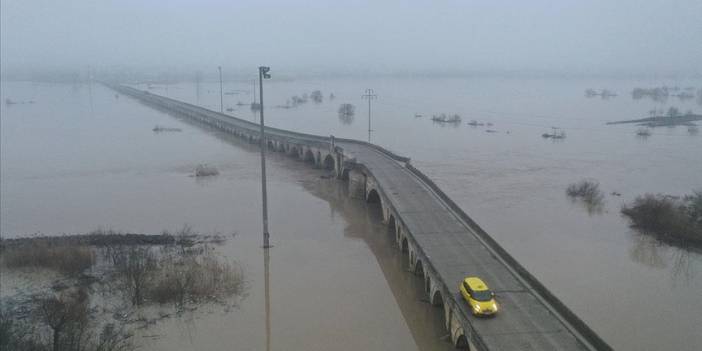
110	238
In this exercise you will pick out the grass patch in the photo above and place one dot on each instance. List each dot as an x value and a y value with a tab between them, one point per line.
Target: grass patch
667	217
195	278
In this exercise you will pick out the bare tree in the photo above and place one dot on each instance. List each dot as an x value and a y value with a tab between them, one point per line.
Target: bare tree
63	312
134	264
317	96
346	113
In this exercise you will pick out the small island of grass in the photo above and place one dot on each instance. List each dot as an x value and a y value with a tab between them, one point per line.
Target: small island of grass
672	118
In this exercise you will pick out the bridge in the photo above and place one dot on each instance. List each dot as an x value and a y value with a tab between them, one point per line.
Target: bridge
443	243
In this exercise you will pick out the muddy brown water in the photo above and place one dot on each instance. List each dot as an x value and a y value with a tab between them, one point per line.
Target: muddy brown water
80	158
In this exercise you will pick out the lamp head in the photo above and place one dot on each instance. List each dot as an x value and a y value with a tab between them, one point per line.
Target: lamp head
264	71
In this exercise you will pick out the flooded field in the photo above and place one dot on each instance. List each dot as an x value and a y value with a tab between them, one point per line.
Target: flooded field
81	158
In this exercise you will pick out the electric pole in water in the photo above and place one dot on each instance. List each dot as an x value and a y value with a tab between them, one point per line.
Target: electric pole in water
369	95
221	96
263	73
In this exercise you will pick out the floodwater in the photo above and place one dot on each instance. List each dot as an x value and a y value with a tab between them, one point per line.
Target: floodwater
336	281
80	158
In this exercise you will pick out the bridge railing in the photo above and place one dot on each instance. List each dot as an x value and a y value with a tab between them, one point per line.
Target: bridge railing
254	127
578	324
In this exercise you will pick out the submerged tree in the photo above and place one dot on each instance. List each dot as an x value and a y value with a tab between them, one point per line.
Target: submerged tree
61	313
317	96
135	264
346	113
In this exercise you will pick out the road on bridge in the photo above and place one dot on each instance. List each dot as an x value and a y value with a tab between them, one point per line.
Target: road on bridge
524	322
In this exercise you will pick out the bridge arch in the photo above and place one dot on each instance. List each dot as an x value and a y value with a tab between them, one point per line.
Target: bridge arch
419	267
462	342
391	225
437	299
309	156
329	162
373	197
345	174
404	245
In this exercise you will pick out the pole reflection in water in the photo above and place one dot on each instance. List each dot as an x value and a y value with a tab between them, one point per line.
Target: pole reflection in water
266	267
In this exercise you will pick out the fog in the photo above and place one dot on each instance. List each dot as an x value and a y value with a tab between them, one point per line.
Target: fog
377	36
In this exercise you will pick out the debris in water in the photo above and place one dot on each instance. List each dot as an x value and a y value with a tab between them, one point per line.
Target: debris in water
158	129
443	118
555	134
203	170
643	132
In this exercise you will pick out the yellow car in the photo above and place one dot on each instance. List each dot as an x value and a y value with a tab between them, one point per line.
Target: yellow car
479	297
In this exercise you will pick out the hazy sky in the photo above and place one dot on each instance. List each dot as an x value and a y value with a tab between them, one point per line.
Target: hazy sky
587	36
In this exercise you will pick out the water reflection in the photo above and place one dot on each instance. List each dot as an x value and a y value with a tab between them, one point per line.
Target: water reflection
646	250
425	321
347	113
654	253
266	268
594	206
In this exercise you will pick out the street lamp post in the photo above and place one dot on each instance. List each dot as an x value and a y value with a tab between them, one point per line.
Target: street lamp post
221	95
263	73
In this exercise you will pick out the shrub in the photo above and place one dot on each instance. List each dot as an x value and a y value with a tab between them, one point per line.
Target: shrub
67	259
135	265
667	217
205	170
588	190
195	278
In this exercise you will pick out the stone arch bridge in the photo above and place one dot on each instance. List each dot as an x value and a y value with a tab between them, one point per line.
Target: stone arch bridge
442	242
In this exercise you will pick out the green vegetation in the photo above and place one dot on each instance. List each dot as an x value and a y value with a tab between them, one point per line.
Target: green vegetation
669	218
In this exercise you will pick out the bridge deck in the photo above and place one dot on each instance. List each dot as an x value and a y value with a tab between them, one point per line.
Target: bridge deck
526	320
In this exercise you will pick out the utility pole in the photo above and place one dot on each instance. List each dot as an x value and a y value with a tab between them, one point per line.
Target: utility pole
254	82
369	95
263	73
221	95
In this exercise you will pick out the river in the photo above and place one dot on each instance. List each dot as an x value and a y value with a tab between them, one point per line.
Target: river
80	158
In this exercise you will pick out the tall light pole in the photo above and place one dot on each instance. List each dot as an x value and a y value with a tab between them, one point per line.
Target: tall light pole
263	73
221	95
369	95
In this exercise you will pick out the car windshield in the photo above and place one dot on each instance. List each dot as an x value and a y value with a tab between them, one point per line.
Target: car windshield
483	295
